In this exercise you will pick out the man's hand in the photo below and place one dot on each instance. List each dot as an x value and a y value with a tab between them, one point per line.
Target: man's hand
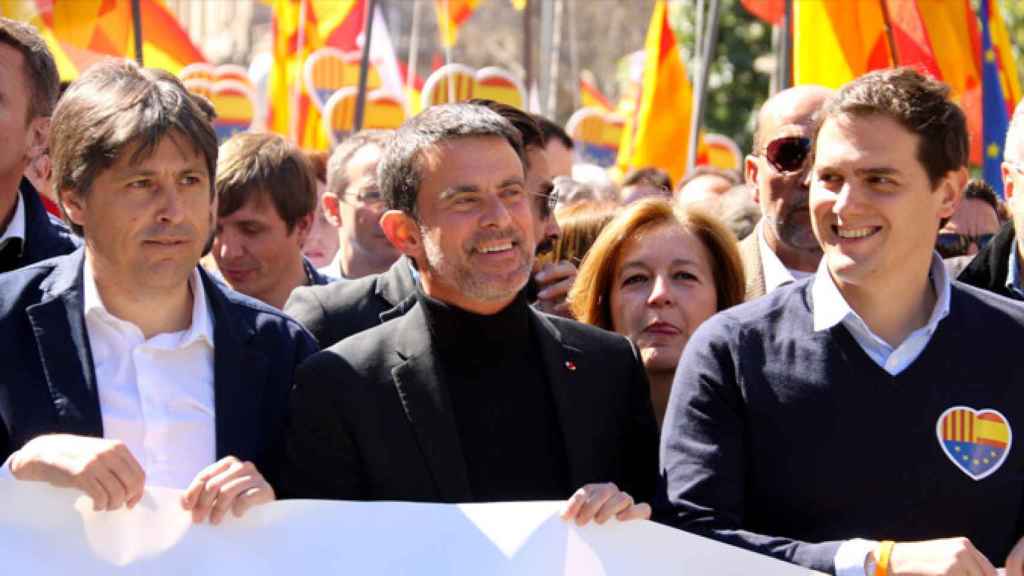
228	484
104	469
599	502
952	556
1015	561
554	280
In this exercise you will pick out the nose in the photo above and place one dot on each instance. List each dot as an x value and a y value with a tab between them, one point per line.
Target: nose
661	292
496	213
844	200
228	244
172	209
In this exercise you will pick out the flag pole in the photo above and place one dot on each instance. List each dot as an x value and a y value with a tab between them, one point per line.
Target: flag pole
887	19
137	26
700	92
528	51
412	61
574	52
300	46
364	65
785	50
556	49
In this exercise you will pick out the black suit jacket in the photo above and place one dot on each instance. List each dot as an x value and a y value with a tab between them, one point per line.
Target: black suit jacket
49	382
338	310
370	419
45	236
990	267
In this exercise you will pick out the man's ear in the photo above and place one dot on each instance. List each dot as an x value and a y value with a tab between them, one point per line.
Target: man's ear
38	134
951	188
73	205
332	211
1007	172
750	168
403	232
303	226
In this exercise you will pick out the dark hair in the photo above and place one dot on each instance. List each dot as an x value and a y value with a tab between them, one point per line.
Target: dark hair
977	189
318	162
552	131
337	179
730	175
528	128
919	104
117	105
648	175
400	167
39	68
262	164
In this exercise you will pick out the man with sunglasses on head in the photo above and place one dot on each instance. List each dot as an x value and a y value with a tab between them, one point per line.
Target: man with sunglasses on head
782	247
997	266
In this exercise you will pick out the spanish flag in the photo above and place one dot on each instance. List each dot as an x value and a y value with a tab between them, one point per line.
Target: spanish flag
83	32
835	42
657	133
451	15
590	95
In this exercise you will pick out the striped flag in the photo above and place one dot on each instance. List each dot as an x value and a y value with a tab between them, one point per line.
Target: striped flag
835	42
451	15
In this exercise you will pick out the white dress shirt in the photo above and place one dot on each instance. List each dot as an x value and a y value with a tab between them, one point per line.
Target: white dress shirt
16	227
830	308
775	272
156	395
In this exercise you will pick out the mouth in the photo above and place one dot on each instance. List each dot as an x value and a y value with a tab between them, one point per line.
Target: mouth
662	329
855	233
236	275
497	247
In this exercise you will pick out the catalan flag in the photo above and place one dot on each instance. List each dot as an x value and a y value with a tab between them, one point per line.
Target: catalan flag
835	42
451	15
590	95
976	441
1000	90
657	132
83	32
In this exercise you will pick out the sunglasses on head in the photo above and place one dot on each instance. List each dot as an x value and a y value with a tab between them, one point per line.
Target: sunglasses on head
949	244
788	154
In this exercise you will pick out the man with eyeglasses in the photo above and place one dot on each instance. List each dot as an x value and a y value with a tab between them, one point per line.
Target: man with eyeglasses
972	226
782	247
997	266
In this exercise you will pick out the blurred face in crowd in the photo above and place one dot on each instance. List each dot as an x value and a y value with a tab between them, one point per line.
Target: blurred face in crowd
20	137
971	227
642	190
473	235
1013	188
146	220
663	289
707	187
538	184
875	211
322	242
560	158
356	212
255	251
777	171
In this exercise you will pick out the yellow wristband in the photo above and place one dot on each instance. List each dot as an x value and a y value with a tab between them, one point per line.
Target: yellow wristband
884	551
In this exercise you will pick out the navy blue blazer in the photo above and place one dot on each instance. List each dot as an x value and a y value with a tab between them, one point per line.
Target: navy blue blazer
48	382
45	236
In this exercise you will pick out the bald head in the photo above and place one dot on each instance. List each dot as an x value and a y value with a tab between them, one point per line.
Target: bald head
796	105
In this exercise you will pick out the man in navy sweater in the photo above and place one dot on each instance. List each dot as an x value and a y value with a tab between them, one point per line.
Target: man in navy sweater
861	421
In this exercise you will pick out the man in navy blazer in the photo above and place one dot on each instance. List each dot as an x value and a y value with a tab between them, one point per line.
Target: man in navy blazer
29	87
125	364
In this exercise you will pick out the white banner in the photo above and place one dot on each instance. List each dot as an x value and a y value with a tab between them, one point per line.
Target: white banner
44	530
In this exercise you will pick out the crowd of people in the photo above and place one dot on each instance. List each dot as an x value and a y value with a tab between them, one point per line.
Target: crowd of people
808	359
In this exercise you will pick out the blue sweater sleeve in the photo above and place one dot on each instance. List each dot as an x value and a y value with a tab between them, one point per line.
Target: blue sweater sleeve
704	451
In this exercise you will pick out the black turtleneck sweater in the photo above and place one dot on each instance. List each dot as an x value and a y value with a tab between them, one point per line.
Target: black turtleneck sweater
504	411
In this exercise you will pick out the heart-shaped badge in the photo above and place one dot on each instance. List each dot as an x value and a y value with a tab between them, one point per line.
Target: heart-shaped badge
977	441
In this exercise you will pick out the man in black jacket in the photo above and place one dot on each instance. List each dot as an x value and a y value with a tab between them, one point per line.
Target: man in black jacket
28	92
472	395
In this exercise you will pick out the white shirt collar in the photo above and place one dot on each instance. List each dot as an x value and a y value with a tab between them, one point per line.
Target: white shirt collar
16	228
200	328
830	308
775	272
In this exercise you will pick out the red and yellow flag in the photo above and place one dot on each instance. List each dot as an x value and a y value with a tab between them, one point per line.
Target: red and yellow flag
834	42
451	15
83	32
657	133
591	96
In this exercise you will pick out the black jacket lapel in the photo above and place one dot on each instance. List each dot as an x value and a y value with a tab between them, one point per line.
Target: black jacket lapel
58	324
562	366
397	287
991	265
428	408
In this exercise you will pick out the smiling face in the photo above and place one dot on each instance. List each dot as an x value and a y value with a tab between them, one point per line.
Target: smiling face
473	236
662	290
145	220
18	134
875	210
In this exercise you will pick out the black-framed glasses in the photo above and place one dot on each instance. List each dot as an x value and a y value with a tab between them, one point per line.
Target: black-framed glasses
370	197
789	153
950	244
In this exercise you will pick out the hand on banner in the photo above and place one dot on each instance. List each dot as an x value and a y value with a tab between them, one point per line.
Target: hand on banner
599	502
939	557
554	280
228	484
103	469
1015	561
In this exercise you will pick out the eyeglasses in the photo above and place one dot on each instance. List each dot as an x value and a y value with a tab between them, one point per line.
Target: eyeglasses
369	197
547	200
788	154
949	244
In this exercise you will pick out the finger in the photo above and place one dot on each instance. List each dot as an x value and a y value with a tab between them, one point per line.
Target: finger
115	489
562	309
189	498
228	492
596	498
556	291
617	503
130	473
573	504
640	511
1015	560
91	486
982	566
253	497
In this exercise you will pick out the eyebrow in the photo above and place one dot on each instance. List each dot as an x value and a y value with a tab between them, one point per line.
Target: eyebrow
468	188
675	262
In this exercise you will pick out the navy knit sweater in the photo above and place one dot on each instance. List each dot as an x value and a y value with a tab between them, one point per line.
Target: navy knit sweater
788	441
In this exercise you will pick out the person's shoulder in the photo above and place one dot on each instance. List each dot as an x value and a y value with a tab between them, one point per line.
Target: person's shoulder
984	303
584	336
785	303
336	297
263	319
28	279
362	359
